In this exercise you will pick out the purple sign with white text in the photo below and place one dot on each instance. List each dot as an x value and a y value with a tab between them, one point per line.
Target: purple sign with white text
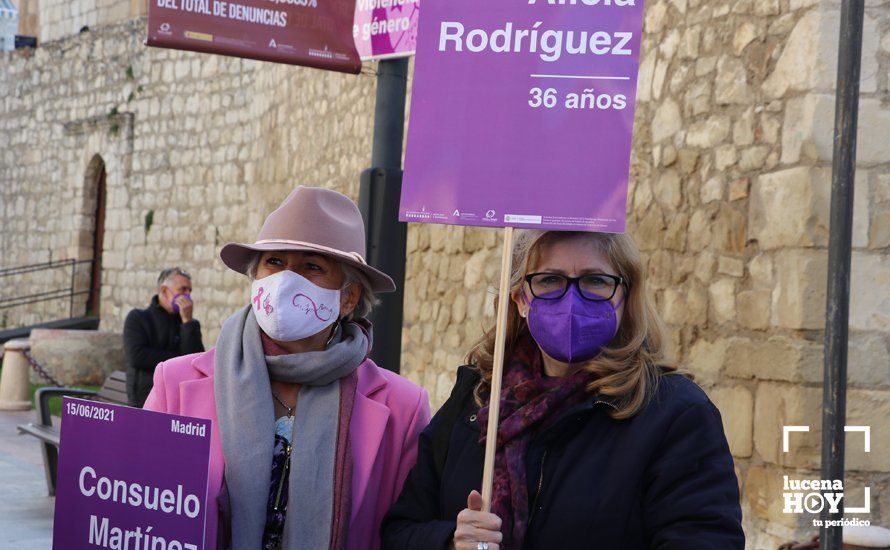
130	478
385	29
522	114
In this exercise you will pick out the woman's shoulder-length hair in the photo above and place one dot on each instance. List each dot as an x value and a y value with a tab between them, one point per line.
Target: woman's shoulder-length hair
628	369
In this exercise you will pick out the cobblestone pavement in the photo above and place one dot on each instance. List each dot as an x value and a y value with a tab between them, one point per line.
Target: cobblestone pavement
26	512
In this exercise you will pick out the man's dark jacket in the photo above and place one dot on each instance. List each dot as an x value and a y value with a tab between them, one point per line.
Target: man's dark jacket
662	479
152	336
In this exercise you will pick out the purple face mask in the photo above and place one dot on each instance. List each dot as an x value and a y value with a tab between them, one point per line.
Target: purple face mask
176	297
572	329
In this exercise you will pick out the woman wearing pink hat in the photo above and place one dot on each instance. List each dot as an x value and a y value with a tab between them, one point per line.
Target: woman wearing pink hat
311	441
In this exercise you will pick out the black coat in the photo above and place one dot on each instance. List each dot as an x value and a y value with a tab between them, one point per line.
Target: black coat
152	336
662	479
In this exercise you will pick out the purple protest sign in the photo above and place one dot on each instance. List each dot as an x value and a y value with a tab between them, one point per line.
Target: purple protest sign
385	29
130	478
522	114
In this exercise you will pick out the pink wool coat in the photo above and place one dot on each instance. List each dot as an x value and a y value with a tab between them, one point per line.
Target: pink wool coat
387	418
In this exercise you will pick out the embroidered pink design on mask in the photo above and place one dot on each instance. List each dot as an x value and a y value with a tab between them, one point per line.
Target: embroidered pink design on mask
267	307
317	310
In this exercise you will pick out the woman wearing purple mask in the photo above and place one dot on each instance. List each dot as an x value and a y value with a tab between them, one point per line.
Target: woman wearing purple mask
601	444
310	441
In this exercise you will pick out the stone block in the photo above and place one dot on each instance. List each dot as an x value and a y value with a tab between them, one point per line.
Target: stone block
706	360
708	133
762	492
474	269
658	77
649	229
874	119
712	190
729	231
790	208
656	18
731	84
688	160
667	121
738	189
775	358
753	158
77	357
722	295
809	130
660	268
699	231
799	296
872	409
870	292
725	156
705	266
861	202
744	35
754	309
760	271
809	56
730	266
799	131
736	405
672	306
782	404
668	191
644	78
696	305
879	234
867	360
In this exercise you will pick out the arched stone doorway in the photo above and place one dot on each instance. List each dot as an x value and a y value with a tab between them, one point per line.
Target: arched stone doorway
95	208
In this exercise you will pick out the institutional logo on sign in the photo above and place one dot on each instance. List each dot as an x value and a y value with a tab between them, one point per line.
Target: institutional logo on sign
165	29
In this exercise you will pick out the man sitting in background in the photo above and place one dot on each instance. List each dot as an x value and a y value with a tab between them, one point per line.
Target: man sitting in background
162	331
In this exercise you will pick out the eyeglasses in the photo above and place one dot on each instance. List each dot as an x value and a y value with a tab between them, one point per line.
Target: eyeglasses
596	287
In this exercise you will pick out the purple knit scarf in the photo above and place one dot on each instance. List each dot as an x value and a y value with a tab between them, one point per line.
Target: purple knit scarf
530	402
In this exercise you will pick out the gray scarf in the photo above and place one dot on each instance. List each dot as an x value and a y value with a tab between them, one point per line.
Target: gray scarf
247	420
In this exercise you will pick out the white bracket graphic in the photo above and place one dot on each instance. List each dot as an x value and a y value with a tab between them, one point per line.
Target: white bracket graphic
866	430
865	508
788	429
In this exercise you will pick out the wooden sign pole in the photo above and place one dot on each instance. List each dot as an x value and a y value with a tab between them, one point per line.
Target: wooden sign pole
497	370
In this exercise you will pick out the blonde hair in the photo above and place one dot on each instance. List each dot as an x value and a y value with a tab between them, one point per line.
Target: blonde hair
626	371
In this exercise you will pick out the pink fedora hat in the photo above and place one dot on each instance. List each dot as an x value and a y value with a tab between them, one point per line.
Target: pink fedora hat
317	220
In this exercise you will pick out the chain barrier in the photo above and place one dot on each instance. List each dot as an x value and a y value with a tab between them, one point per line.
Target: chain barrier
41	372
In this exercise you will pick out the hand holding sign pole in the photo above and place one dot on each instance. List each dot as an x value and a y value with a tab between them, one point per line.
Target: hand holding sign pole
522	117
497	373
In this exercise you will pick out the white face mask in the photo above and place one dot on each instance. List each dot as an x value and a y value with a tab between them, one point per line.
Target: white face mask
289	307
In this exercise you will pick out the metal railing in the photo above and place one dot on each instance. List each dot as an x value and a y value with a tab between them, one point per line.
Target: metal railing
50	295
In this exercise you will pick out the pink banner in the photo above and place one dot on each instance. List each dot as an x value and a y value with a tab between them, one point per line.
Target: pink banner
385	29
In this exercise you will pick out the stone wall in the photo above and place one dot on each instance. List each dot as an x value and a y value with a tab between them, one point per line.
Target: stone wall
732	170
54	19
729	202
197	149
